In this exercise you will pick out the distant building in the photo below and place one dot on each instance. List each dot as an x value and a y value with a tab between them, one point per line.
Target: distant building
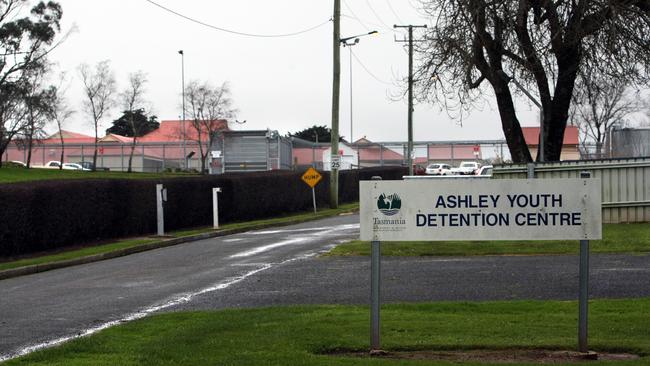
570	144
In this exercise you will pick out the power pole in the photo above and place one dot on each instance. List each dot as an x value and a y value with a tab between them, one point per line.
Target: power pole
336	89
409	159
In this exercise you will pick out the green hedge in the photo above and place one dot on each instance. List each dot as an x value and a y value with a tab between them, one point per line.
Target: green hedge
48	215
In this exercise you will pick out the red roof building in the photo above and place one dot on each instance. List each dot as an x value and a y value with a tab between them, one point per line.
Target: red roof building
570	144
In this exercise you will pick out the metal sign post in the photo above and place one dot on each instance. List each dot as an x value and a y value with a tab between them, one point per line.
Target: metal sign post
312	177
375	287
161	197
583	298
215	207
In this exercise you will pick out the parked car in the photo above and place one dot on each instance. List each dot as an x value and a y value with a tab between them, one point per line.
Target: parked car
485	170
74	166
88	166
418	169
16	164
467	168
54	164
439	169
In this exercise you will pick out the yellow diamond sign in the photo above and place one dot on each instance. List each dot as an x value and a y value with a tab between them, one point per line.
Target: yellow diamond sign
311	177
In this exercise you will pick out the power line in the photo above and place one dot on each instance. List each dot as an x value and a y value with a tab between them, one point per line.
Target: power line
393	10
354	16
386	26
368	71
232	31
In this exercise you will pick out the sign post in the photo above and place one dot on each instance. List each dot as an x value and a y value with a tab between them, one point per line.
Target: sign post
375	288
583	299
467	209
312	177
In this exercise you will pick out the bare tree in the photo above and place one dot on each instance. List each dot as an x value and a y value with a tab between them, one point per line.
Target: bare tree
133	100
37	101
599	104
99	87
60	112
209	109
477	46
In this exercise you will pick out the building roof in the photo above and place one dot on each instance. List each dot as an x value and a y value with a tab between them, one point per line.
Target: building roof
531	135
69	137
171	131
112	137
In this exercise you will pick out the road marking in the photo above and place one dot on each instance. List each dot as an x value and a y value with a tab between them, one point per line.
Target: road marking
306	238
231	240
183	298
279	231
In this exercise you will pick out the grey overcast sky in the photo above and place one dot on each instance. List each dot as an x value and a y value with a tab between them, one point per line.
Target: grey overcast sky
279	83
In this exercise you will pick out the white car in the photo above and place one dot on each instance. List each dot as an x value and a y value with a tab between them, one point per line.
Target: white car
438	169
485	170
74	166
467	168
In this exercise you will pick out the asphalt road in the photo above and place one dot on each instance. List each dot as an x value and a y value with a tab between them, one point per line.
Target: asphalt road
277	267
52	306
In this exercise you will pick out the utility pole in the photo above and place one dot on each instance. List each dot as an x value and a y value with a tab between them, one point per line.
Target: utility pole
336	89
183	104
410	93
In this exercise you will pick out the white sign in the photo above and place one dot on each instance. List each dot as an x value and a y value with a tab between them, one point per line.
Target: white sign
336	161
499	209
216	154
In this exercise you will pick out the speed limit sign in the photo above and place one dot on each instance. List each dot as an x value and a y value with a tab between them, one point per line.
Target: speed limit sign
336	161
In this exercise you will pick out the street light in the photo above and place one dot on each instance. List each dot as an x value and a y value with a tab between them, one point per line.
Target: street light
180	52
354	41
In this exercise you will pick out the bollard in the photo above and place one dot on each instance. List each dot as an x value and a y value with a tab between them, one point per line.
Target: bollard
215	206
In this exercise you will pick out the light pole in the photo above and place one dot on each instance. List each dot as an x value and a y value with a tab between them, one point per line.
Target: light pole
354	41
183	105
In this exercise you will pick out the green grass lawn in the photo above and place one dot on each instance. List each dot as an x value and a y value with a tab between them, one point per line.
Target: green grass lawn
130	243
15	175
617	238
305	335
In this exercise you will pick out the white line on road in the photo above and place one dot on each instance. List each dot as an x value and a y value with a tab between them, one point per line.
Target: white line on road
306	238
180	299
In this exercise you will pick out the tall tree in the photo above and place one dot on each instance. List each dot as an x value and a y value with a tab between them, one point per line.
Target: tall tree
132	99
24	42
99	87
37	100
541	43
314	133
134	124
60	112
599	104
209	108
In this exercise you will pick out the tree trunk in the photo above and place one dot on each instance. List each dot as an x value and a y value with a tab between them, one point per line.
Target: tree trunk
131	155
568	64
29	152
510	124
62	150
95	153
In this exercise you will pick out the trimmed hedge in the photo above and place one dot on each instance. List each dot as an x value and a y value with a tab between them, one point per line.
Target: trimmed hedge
48	215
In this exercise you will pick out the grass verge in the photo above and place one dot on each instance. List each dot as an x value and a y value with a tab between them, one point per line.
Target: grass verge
617	238
133	243
309	335
16	175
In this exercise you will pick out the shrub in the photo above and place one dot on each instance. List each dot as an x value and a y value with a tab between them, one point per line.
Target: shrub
47	215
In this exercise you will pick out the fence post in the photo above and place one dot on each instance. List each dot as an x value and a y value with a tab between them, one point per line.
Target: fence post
215	207
161	197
